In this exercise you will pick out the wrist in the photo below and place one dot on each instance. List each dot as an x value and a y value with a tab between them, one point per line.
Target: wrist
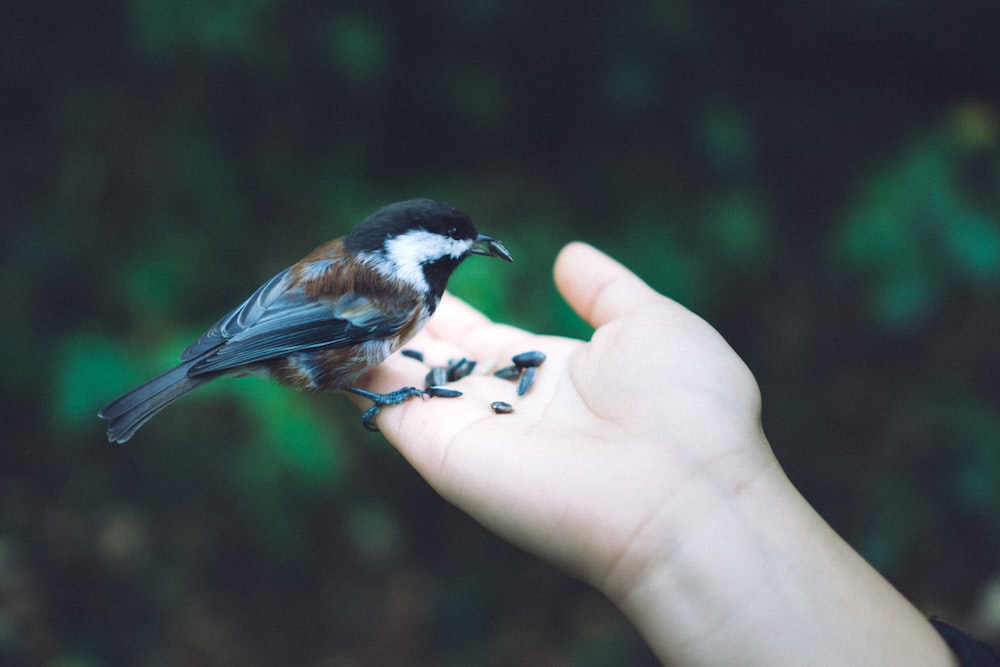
716	505
750	574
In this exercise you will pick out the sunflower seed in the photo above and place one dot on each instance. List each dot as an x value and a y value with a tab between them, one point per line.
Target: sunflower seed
437	377
502	408
529	359
459	368
527	379
442	392
413	354
508	373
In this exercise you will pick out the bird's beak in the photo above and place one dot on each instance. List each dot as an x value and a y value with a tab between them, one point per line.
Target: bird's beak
490	247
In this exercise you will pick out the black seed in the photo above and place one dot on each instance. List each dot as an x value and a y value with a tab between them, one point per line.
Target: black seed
413	354
436	377
508	373
443	392
529	359
502	408
459	368
527	378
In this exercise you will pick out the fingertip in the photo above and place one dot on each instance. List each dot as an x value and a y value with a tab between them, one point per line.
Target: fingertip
598	287
573	254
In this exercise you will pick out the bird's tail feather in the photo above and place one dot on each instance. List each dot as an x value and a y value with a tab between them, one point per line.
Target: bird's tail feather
138	406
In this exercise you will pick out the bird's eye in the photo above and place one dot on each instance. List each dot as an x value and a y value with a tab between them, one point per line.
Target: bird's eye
453	232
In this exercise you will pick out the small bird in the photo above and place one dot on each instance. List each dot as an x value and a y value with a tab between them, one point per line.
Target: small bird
325	321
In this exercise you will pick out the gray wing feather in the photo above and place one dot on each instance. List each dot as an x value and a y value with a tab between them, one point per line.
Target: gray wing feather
242	317
294	323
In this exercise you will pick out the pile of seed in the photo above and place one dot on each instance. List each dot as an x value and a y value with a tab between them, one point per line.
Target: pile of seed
523	370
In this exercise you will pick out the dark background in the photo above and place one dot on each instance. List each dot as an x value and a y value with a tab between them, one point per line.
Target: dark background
821	181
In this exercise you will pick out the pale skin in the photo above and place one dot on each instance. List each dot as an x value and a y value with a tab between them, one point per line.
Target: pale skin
638	463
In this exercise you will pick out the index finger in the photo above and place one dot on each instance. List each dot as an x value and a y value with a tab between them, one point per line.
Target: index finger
597	287
459	324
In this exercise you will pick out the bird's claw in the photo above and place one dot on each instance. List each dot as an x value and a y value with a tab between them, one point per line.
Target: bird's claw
395	398
367	419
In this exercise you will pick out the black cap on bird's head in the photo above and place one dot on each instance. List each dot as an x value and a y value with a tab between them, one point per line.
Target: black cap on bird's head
421	241
416	214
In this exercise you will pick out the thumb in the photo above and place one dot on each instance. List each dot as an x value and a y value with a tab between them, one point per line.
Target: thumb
597	287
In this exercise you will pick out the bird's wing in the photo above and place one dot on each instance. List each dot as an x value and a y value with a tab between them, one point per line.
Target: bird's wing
242	317
294	322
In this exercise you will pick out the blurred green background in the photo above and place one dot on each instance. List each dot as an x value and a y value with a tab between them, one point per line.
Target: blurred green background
821	181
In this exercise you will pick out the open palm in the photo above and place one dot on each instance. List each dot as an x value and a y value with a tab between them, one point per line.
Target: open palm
637	461
607	436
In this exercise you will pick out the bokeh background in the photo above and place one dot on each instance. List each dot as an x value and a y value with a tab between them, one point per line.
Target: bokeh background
819	180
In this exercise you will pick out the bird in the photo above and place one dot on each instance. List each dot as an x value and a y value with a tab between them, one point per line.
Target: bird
328	319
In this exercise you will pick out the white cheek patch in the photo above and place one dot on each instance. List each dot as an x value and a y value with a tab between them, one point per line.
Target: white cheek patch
409	252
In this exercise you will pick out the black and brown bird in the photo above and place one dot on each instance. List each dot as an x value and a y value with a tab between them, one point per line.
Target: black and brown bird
325	321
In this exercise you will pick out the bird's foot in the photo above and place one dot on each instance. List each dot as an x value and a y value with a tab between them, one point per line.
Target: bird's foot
395	398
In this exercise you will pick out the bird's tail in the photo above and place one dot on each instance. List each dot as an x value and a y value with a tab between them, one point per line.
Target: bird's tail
138	406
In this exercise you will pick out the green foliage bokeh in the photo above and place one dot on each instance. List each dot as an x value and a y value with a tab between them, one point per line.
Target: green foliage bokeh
820	182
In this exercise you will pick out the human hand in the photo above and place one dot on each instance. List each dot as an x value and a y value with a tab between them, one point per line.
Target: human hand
637	461
609	439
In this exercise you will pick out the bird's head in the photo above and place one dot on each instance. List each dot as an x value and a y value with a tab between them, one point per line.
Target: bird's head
420	242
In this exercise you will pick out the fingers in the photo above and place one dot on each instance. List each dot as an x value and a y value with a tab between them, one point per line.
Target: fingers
455	330
455	317
472	334
597	287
